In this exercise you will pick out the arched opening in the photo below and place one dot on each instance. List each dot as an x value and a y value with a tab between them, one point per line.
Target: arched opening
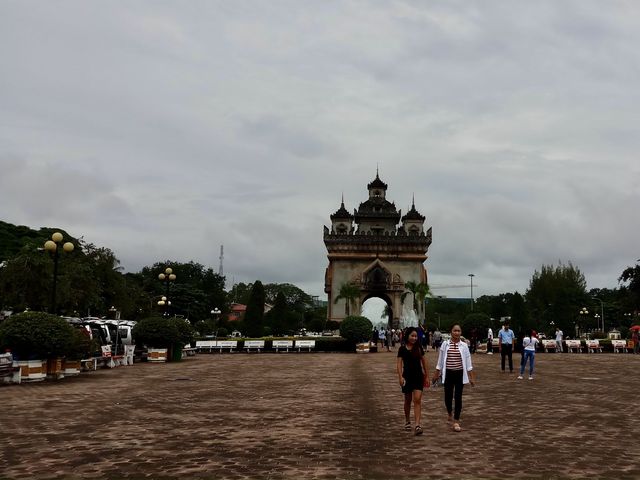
378	310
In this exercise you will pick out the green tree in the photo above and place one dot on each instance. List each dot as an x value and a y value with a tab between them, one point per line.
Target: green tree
295	297
477	320
422	292
560	292
254	316
349	293
240	293
630	279
25	281
419	292
356	329
195	292
411	288
276	318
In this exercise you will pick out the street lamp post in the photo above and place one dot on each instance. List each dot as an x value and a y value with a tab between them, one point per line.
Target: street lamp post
583	314
167	277
165	303
52	247
471	275
597	317
216	314
601	311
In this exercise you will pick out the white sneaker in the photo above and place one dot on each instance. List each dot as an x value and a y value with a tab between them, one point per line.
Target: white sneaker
530	377
520	377
489	353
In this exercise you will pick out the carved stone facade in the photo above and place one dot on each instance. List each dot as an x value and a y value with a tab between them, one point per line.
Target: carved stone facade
376	249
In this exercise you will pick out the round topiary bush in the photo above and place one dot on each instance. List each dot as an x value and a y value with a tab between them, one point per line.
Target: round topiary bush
163	332
356	329
37	335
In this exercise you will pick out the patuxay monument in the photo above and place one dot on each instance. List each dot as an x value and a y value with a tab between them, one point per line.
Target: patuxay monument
377	250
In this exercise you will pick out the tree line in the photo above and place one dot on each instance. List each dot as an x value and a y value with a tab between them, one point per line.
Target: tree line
90	282
555	297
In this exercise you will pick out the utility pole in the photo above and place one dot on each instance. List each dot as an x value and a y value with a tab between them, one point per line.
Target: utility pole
220	269
471	275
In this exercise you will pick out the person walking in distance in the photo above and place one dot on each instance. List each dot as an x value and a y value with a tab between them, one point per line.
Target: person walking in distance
529	345
383	338
413	375
506	340
559	336
455	368
489	341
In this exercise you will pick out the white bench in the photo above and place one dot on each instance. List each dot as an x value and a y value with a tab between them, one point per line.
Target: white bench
280	344
202	345
573	345
189	351
618	346
230	345
254	345
593	346
548	344
308	344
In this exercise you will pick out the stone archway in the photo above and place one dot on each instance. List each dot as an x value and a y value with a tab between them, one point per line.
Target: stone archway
379	299
373	253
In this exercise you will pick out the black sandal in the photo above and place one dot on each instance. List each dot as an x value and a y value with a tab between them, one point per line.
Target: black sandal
407	426
418	430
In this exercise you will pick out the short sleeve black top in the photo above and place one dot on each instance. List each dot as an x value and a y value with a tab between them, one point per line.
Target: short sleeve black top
412	366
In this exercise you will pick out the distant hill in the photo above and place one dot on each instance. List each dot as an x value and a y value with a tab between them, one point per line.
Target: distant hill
14	237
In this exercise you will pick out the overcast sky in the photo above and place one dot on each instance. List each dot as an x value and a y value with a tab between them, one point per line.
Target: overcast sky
164	129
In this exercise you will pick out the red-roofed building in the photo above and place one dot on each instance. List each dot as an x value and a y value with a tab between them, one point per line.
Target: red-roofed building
238	311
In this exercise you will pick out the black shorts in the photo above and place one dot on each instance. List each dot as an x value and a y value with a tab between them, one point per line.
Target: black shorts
413	383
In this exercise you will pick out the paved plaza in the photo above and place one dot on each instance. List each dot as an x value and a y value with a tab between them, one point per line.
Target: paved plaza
321	416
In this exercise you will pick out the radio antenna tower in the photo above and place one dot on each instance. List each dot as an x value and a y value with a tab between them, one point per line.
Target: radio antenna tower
220	269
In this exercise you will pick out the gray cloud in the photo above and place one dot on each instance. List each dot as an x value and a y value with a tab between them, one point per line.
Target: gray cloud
163	132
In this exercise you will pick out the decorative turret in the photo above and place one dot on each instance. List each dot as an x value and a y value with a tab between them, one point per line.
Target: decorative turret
341	221
413	221
377	188
377	215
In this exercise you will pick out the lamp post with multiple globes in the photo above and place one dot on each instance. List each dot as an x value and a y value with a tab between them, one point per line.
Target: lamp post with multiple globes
583	314
167	277
51	246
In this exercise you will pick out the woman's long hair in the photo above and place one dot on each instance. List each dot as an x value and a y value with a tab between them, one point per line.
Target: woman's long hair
416	350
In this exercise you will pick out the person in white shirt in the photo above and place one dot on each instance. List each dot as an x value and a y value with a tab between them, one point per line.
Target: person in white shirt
454	365
529	345
489	341
559	336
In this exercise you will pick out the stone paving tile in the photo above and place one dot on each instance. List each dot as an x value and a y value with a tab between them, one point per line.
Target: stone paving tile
322	416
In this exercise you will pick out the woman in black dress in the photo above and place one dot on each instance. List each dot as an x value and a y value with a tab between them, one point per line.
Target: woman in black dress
413	375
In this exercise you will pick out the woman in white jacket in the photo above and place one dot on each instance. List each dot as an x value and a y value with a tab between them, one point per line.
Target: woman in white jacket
454	365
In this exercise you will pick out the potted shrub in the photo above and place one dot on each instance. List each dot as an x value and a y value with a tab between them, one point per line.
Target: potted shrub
356	330
81	347
162	335
38	342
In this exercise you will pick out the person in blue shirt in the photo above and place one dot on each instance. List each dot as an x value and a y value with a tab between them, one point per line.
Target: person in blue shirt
506	341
